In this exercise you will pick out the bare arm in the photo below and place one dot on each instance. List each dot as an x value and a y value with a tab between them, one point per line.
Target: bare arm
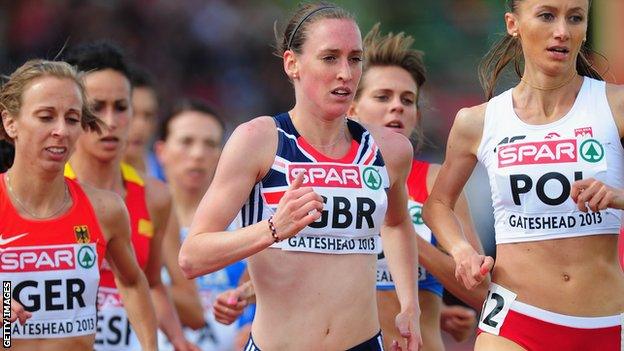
442	265
591	193
439	210
159	205
246	158
183	291
129	278
399	237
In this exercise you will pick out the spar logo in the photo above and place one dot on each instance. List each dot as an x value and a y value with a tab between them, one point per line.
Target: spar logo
540	152
326	175
37	259
416	214
86	257
372	178
591	151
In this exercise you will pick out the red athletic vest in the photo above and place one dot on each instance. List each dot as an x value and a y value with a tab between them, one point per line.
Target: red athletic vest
114	330
53	266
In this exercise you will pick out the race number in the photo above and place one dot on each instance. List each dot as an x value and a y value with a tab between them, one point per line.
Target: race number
495	309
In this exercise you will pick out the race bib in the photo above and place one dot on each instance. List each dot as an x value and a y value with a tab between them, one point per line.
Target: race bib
495	309
113	327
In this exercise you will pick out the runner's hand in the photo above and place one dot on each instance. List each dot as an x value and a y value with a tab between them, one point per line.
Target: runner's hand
18	312
298	207
408	324
596	195
230	304
459	321
471	268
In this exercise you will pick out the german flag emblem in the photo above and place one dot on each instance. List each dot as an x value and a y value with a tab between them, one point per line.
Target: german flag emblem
82	234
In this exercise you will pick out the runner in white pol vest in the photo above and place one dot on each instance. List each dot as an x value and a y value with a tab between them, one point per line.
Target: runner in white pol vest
552	149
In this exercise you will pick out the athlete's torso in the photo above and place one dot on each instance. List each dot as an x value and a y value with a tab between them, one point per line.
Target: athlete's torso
531	167
52	267
323	297
548	252
353	189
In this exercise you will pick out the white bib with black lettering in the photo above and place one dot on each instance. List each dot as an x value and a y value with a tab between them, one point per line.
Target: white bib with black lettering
57	283
114	331
531	167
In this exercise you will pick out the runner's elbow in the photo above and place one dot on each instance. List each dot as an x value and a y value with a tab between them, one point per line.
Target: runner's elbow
187	264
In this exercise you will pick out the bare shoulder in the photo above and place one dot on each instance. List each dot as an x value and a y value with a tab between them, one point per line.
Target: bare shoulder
471	119
256	130
157	193
109	208
468	128
251	148
615	91
396	149
615	96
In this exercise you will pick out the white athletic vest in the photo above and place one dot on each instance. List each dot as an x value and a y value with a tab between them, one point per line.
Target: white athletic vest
531	167
353	189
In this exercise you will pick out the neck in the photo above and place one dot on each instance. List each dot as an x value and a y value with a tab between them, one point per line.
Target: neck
546	105
545	83
100	174
323	133
42	192
186	202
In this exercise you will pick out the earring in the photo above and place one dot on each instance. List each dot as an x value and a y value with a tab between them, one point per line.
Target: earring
295	76
514	34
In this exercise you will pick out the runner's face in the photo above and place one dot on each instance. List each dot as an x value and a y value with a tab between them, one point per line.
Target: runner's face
108	92
191	151
143	122
330	65
48	123
551	32
388	98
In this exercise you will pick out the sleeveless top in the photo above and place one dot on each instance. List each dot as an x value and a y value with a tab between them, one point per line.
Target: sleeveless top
51	267
353	190
114	330
418	194
213	335
531	167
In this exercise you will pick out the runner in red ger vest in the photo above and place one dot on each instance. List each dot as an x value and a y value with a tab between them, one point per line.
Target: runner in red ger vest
55	233
97	162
